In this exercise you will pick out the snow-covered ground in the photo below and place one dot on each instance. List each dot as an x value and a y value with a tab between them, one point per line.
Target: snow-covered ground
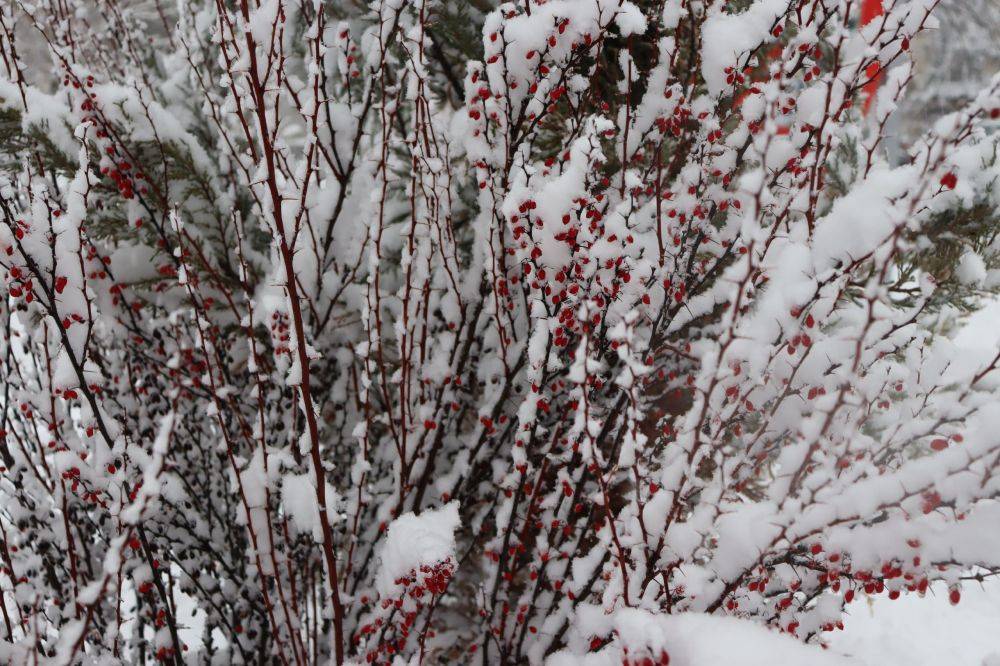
925	632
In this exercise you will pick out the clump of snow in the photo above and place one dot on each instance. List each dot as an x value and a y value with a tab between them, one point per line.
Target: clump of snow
687	639
413	541
971	269
630	20
298	498
858	222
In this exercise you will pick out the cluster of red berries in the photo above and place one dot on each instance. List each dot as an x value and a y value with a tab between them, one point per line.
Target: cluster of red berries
280	333
420	588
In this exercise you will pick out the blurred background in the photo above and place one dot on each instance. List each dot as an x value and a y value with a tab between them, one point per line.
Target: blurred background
953	62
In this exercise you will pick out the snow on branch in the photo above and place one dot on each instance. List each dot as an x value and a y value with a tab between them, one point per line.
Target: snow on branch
434	331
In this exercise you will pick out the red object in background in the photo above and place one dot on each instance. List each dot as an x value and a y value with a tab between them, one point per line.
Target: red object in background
870	9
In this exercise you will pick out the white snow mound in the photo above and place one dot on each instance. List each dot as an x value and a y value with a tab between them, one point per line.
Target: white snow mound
413	541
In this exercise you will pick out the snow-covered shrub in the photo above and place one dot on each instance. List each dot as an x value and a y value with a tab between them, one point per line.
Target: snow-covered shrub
336	334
